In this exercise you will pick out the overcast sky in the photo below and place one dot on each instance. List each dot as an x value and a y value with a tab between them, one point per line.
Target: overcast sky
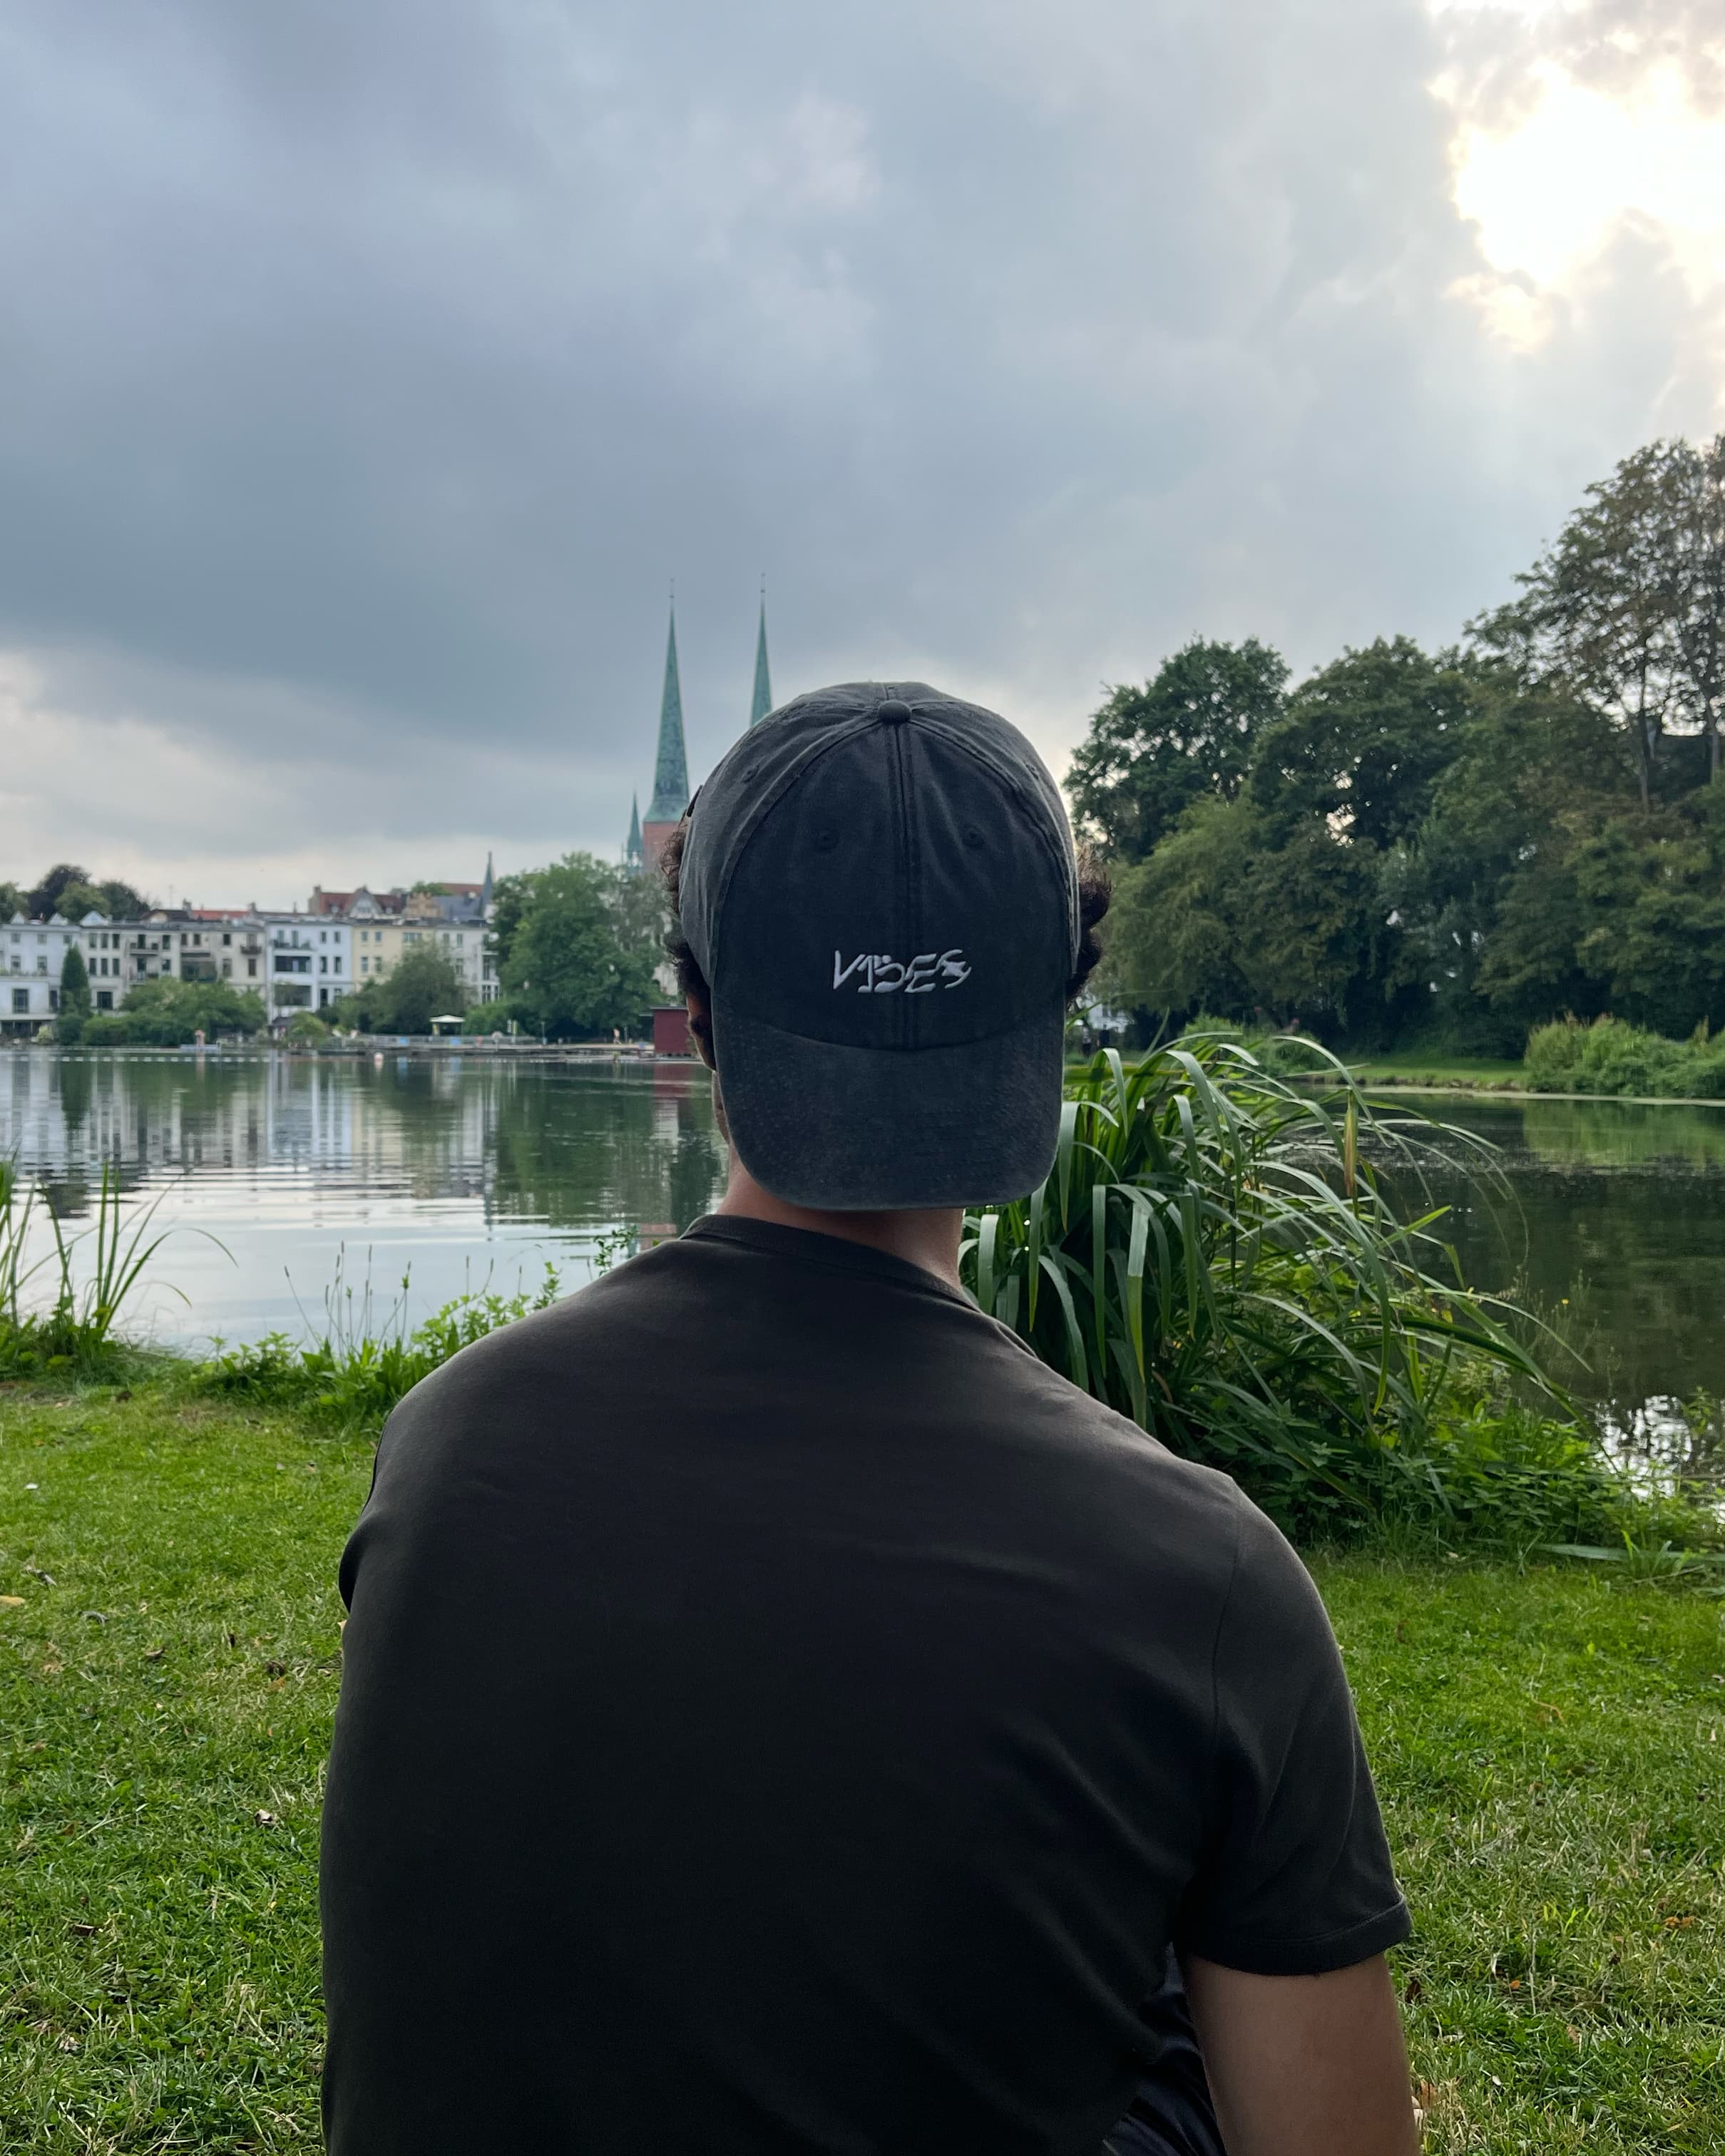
369	369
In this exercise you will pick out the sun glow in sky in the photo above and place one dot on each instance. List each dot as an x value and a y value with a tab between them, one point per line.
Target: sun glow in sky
1552	188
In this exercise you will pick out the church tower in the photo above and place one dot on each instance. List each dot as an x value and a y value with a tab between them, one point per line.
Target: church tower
670	770
633	860
762	702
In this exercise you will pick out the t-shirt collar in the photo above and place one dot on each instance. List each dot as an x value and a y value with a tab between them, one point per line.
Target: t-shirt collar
804	1246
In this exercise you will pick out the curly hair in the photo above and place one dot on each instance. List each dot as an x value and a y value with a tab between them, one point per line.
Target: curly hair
1094	892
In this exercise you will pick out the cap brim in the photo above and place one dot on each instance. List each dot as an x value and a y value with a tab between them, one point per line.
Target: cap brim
862	1130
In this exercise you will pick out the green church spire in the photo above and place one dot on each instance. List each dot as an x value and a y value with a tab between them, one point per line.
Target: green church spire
763	702
633	858
670	771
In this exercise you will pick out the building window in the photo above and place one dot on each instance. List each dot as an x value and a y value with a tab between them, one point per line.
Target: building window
251	969
21	1002
105	1000
227	939
226	969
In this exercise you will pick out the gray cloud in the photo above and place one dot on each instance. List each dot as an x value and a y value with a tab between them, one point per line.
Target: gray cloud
367	371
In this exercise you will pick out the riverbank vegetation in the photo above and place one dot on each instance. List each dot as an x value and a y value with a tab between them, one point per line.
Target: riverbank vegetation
1244	1265
1612	1058
1243	1261
1440	852
1547	1737
165	1013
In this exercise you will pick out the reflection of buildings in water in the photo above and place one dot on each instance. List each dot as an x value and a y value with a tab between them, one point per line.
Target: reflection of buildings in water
428	1128
529	1144
67	1118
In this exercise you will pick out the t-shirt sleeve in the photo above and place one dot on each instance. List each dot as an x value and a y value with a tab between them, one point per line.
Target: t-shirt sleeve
1297	1876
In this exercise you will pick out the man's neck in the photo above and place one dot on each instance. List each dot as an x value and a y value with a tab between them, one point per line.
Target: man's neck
927	1239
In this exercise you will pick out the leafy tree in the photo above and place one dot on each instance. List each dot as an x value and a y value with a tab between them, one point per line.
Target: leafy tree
121	901
1362	742
510	896
421	985
77	899
1652	899
167	1013
12	900
43	902
1223	918
75	1000
72	891
577	961
1696	537
1481	895
1600	607
1188	732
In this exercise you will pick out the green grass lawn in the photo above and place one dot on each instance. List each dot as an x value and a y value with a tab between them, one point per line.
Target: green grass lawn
1549	1748
1438	1070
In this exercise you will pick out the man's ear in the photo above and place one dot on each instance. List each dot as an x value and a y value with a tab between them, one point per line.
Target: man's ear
700	1026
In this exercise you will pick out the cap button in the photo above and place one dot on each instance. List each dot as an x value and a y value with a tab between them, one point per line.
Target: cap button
894	712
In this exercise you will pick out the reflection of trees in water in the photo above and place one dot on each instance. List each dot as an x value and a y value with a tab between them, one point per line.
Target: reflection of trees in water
1612	1225
581	1151
572	1147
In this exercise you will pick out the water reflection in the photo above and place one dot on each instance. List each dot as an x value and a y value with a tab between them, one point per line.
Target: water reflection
1610	1219
448	1171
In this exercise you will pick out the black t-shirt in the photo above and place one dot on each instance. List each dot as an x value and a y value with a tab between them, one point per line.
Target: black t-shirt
779	1714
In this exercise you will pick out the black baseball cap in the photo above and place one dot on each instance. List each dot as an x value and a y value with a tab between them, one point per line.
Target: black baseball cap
878	882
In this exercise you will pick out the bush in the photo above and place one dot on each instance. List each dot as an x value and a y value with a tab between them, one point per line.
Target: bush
306	1030
421	985
1610	1057
168	1014
351	1378
1213	1256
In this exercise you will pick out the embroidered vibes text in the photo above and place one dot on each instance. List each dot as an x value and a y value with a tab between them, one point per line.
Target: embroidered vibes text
875	974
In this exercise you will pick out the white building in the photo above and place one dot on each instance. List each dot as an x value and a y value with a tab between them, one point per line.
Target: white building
290	961
31	956
311	964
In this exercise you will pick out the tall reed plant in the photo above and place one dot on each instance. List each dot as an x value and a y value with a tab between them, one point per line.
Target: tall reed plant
1219	1254
70	1322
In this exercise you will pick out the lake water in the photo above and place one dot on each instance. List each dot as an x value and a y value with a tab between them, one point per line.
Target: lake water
271	1169
1610	1218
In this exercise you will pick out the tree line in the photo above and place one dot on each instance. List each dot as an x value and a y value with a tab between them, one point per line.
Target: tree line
71	892
1446	848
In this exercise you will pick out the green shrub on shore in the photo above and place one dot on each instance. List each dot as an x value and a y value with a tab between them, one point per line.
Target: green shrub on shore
1609	1056
349	1378
168	1014
1214	1256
